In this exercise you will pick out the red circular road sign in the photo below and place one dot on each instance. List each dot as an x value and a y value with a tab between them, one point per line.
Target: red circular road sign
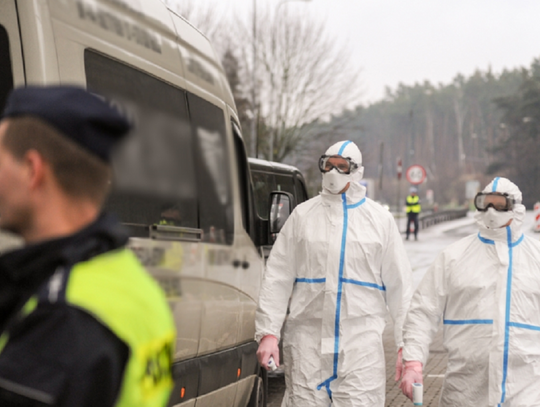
416	174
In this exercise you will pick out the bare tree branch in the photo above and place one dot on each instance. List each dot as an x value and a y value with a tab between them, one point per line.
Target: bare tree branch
303	76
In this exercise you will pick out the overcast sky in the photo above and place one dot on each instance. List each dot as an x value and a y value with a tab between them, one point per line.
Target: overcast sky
410	41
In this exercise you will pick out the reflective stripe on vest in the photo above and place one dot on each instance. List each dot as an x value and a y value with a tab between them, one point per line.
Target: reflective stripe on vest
415	207
116	289
26	310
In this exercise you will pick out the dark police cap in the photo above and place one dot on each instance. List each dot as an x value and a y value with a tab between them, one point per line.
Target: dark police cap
79	115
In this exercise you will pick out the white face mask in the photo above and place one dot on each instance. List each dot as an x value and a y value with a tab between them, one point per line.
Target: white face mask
493	219
334	182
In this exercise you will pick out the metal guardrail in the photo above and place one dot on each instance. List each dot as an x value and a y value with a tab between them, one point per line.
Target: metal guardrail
434	218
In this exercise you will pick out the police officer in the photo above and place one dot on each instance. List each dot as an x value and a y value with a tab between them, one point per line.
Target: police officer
413	209
81	322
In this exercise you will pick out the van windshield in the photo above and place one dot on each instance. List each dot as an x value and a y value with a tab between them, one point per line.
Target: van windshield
266	182
285	183
263	184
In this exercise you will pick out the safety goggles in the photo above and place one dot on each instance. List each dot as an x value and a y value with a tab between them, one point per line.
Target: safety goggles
343	165
499	202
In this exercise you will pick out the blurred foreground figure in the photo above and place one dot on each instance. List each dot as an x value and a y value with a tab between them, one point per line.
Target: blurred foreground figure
81	322
341	258
486	289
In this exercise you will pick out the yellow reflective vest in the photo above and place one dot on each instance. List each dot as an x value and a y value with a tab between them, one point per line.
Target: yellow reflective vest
413	204
116	290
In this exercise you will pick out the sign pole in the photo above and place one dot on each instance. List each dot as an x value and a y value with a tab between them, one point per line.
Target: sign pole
399	171
381	165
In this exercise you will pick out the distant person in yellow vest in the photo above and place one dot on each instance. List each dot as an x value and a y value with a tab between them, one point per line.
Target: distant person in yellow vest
81	322
413	209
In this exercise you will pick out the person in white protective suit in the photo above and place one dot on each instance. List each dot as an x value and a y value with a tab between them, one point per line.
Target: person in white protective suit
340	260
486	290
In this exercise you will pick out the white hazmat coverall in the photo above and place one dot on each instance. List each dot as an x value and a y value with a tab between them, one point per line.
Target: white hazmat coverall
486	289
341	260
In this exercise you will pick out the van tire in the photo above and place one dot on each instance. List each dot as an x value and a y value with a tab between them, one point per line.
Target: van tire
259	395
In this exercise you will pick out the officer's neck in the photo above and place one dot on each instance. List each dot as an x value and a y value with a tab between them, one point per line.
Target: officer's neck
59	217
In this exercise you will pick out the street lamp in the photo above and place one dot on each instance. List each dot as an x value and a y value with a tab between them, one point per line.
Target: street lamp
272	133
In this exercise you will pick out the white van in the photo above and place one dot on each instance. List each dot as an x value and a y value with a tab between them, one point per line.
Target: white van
182	184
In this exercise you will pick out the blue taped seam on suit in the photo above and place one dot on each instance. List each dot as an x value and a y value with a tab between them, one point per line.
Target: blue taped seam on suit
507	317
518	241
524	326
364	284
340	283
484	240
489	241
343	147
334	376
495	184
326	383
467	321
310	280
356	205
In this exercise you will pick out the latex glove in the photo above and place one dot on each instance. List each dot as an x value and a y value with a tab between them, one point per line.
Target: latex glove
268	346
412	373
399	365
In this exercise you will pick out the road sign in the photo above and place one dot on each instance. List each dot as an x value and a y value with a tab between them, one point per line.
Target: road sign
416	174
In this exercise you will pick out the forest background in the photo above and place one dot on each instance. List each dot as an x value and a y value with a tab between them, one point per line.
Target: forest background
297	93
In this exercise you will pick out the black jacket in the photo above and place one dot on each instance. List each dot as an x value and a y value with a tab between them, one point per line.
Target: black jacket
59	355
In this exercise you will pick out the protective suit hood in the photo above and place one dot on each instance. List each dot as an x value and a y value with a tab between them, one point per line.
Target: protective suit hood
334	182
353	195
486	220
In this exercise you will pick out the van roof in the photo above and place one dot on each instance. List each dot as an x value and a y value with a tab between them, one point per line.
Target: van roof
185	19
202	66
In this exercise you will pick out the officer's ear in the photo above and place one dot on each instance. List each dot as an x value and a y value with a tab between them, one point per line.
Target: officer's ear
37	169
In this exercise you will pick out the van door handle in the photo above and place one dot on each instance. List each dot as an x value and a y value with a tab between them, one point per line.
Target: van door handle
236	263
245	264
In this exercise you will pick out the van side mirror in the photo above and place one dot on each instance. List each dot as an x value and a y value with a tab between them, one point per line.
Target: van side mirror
280	210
